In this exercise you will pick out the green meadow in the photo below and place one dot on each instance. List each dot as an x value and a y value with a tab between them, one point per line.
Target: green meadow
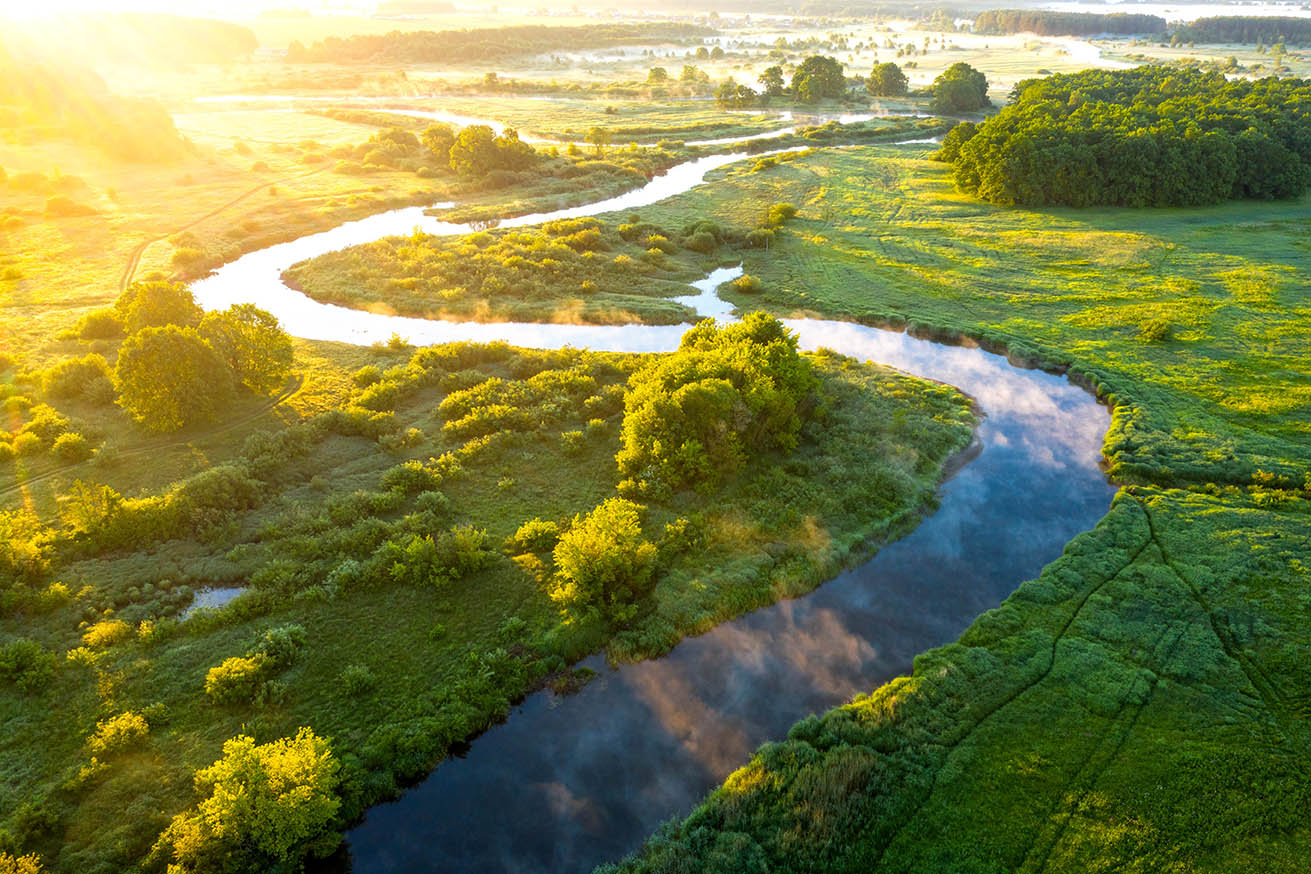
1140	706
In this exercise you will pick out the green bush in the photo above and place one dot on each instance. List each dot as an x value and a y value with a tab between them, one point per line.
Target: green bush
102	324
26	664
535	535
357	679
237	680
71	447
1156	330
118	733
603	563
87	377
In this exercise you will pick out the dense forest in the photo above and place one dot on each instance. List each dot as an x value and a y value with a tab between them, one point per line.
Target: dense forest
48	97
486	44
1150	136
1045	22
1246	29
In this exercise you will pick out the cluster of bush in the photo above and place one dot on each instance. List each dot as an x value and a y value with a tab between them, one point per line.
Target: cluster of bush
249	678
522	274
1151	136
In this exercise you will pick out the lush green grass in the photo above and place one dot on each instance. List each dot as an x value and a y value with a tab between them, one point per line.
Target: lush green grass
1142	705
446	659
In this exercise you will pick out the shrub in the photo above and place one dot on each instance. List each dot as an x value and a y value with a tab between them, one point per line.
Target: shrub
71	447
780	213
760	238
535	535
26	664
118	733
357	679
701	241
102	324
410	478
106	633
87	377
746	284
1156	330
602	563
236	680
60	206
366	376
280	646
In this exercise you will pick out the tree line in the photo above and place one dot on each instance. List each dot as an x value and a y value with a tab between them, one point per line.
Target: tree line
1046	22
1246	29
1151	136
489	43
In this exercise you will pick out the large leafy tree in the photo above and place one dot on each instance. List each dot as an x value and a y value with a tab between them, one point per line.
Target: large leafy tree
772	81
478	150
887	80
697	414
438	139
252	343
960	88
155	304
265	802
171	377
818	78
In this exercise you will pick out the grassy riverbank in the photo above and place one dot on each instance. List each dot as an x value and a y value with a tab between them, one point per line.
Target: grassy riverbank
1141	705
396	670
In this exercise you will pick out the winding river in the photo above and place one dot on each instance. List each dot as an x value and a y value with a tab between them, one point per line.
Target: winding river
566	783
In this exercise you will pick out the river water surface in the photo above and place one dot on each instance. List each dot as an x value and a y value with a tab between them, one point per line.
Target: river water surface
567	783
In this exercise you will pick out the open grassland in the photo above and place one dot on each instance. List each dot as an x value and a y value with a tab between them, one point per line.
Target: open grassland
1142	704
398	667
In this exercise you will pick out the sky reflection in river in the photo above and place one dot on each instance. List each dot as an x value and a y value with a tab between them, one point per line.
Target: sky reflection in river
565	784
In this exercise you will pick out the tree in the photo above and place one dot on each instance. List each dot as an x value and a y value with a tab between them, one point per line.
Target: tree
699	413
265	802
887	80
960	88
155	304
692	73
599	138
603	562
702	53
252	343
170	377
474	151
657	76
438	139
772	80
734	96
818	78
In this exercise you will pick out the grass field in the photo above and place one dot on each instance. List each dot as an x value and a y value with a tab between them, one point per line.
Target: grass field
1141	706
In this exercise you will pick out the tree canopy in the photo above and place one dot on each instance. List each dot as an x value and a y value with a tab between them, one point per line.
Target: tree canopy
169	377
887	80
603	562
1151	136
1046	22
1246	29
156	304
960	88
696	415
264	800
478	150
818	78
253	344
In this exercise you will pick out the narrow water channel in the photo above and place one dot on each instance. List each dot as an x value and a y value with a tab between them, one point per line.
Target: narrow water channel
567	783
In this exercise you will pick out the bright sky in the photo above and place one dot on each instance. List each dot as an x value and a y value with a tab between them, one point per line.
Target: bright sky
214	9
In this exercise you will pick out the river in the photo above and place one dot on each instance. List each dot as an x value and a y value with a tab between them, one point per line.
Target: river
566	783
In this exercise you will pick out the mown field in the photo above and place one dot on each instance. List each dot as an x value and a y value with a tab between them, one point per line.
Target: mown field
1141	706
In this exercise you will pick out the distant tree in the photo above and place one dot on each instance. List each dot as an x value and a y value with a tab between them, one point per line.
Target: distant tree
960	88
170	377
772	80
265	803
702	53
155	304
657	76
474	151
818	78
599	138
252	343
692	73
887	80
716	53
734	96
958	136
438	139
602	562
